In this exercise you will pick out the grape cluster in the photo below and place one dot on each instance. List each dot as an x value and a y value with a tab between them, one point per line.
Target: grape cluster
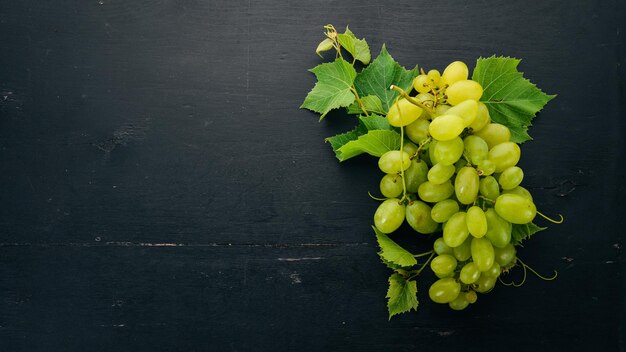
458	174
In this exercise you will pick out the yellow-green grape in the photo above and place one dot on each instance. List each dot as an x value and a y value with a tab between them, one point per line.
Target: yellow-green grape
434	77
443	265
511	177
440	247
488	187
389	215
469	273
418	217
432	193
391	185
394	161
461	163
459	303
494	134
421	84
505	255
471	296
418	130
504	155
443	210
455	230
482	253
403	112
466	185
464	251
515	209
519	190
476	148
415	175
441	109
461	91
409	148
440	173
486	167
446	127
466	110
444	290
485	284
456	71
431	152
482	118
476	221
498	229
448	152
494	271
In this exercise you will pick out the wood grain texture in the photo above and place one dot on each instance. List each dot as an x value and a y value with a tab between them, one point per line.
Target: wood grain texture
161	190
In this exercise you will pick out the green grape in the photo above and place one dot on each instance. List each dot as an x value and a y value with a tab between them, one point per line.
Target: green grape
434	77
443	265
486	167
443	210
441	109
464	251
511	177
389	215
456	71
418	130
485	284
461	163
459	303
446	127
409	148
421	84
391	185
515	208
494	271
415	175
431	152
418	216
466	110
505	255
461	91
489	188
494	134
469	273
394	161
504	155
476	221
444	290
441	247
498	229
448	152
432	193
455	230
519	190
482	118
403	112
476	149
482	253
471	297
466	185
440	173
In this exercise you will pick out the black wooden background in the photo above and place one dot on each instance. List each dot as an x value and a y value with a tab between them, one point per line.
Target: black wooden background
160	190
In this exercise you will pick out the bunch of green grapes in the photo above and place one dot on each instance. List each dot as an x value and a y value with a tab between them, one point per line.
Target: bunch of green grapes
459	175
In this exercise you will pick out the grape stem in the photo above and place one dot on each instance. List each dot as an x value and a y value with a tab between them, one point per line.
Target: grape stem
432	253
552	220
375	198
525	267
487	199
410	99
421	146
423	254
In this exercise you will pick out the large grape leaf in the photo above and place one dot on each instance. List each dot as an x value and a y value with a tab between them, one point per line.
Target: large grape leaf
384	71
523	232
393	252
333	88
371	104
402	295
366	124
358	48
374	142
512	100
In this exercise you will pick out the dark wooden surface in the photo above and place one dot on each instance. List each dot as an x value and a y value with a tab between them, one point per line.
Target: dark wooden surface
160	190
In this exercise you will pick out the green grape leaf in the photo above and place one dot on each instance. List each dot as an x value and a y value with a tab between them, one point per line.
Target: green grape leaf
374	142
371	103
333	88
402	295
392	252
384	71
523	232
358	48
366	123
512	100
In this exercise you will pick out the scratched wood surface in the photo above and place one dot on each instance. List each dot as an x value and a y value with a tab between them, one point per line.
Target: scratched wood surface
161	191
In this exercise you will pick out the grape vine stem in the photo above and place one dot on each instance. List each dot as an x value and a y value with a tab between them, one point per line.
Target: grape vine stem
410	99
